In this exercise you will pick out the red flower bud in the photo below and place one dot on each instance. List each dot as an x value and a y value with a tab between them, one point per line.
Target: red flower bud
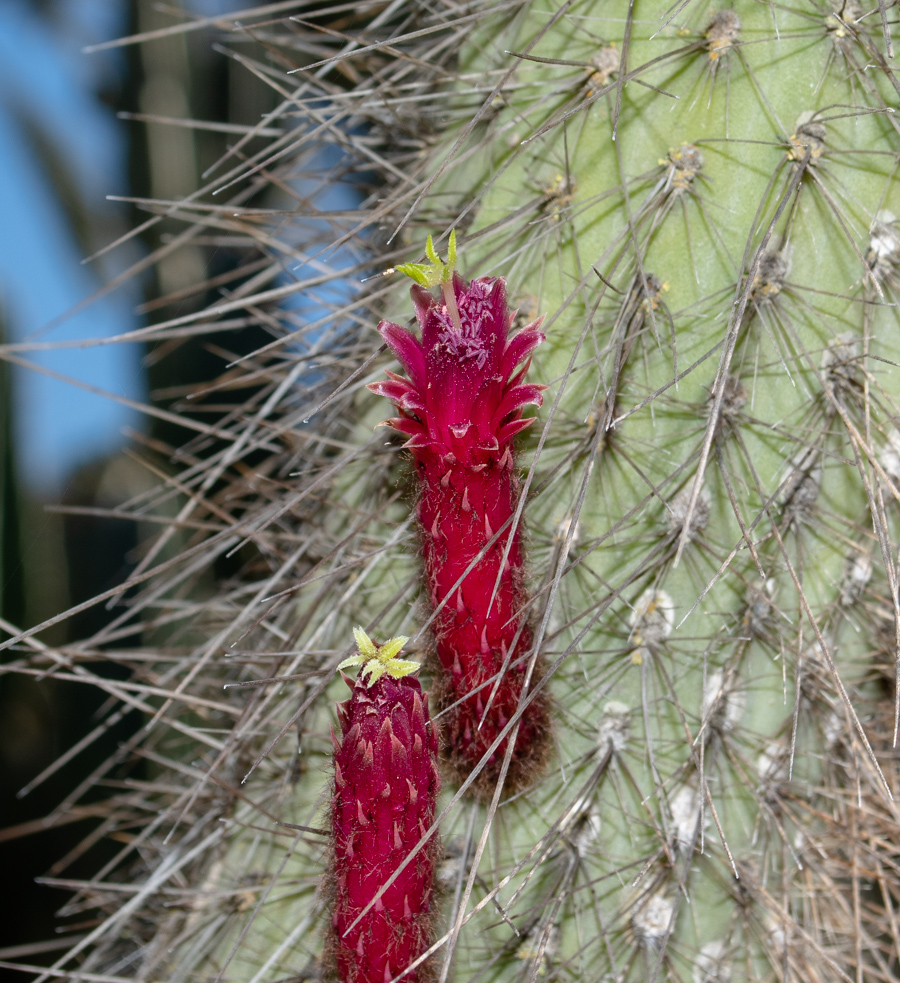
461	407
386	784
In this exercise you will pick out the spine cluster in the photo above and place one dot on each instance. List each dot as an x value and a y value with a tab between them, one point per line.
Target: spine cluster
386	784
461	407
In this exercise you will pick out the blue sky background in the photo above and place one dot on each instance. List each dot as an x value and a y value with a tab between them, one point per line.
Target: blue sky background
45	78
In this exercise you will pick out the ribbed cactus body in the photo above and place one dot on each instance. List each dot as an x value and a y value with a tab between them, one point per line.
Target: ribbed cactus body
703	202
385	788
462	407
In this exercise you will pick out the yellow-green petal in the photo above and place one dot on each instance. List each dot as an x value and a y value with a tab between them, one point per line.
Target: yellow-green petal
438	272
375	670
354	660
392	648
365	644
397	668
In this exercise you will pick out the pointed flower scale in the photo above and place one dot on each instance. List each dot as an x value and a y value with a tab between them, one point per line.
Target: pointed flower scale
385	787
460	408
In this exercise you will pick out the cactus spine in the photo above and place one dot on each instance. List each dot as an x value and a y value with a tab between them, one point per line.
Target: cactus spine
702	201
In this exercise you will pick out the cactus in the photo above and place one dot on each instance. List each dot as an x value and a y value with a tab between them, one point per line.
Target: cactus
702	202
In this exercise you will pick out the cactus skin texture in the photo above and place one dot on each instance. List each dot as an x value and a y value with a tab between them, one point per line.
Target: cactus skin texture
386	784
712	510
462	407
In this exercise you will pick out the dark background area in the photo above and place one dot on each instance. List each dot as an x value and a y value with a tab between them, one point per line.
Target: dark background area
50	560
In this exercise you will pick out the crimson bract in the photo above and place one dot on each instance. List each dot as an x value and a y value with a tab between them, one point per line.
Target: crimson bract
461	407
386	784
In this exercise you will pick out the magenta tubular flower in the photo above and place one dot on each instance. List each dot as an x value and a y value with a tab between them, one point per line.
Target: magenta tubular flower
461	407
386	784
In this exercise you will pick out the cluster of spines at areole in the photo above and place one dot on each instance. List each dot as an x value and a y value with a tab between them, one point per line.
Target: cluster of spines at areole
461	407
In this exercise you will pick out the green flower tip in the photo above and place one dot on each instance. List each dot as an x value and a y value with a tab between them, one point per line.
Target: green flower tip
377	660
437	272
